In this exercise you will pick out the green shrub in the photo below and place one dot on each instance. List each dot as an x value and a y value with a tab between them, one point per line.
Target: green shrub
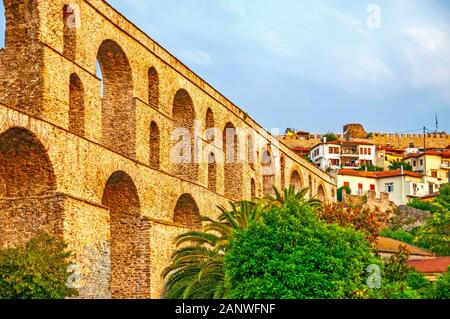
339	192
293	255
441	287
435	235
398	165
38	270
400	235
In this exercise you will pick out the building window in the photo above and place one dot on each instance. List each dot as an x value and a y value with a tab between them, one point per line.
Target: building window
414	163
372	187
434	174
389	187
334	162
360	189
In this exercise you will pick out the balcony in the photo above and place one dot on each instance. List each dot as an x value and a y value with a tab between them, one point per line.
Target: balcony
445	165
349	152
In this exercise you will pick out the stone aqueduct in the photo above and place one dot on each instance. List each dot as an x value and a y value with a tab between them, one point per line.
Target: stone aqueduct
89	158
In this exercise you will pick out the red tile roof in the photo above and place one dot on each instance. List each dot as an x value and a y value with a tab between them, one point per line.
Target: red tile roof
435	153
300	148
389	245
351	172
433	265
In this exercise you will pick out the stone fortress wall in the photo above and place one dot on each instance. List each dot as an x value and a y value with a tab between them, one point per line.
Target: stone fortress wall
90	158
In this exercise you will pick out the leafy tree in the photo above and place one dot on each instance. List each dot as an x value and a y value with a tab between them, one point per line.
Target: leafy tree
37	270
398	165
196	270
398	234
368	221
331	137
290	196
435	234
440	288
370	168
292	254
348	190
399	281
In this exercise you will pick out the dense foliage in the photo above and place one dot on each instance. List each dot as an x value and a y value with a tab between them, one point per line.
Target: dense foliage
368	221
196	271
435	234
347	189
399	165
370	168
331	137
441	288
38	270
292	254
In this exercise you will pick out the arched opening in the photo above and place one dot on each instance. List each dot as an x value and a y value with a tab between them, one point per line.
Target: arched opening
71	18
212	172
321	193
252	189
268	172
209	125
310	186
251	151
130	239
283	172
183	113
2	25
76	105
118	106
153	88
28	199
296	180
154	146
233	169
186	212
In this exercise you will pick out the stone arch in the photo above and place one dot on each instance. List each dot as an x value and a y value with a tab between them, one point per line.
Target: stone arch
252	188
283	172
129	239
233	169
28	199
310	186
183	113
118	105
209	125
321	195
2	25
155	145
296	180
268	171
186	212
71	18
212	172
76	105
153	87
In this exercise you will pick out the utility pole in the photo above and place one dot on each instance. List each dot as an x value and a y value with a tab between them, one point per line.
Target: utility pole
424	139
437	123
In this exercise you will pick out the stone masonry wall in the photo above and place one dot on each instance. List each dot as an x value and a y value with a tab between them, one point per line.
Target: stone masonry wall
121	236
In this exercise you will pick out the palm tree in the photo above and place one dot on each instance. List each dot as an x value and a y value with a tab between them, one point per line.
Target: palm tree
290	196
197	270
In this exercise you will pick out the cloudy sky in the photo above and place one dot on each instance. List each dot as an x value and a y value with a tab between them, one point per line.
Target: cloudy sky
313	65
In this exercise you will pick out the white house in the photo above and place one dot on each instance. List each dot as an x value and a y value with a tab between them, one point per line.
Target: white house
399	184
343	154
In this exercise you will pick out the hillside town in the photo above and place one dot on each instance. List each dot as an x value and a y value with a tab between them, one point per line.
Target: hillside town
397	167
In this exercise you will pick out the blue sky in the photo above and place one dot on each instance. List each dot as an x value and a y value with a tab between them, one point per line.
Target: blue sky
313	65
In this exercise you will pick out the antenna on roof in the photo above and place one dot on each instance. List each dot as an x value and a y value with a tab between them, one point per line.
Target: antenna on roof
437	123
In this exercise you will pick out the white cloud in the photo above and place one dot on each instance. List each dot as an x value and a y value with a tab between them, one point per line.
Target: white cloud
427	54
195	57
